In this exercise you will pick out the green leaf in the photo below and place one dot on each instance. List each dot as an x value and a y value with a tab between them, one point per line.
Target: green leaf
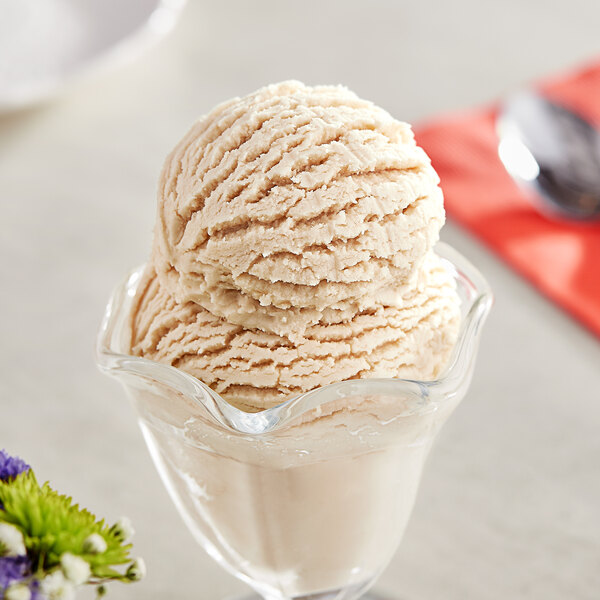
51	525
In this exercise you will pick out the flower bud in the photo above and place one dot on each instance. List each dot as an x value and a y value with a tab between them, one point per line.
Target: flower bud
123	529
94	544
56	587
75	569
11	541
17	592
137	570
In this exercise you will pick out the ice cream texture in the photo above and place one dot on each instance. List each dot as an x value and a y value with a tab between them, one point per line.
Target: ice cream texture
293	248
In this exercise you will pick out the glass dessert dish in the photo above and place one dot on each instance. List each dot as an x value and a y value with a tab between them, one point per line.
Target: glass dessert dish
308	499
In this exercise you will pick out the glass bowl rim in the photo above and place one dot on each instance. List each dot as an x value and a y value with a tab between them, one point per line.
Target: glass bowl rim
428	395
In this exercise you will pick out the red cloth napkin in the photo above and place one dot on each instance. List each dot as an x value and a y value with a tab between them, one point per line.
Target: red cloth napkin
561	258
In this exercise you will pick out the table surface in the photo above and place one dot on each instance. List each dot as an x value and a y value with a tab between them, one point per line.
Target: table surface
510	501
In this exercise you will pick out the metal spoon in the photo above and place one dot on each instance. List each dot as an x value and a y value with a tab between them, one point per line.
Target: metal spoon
554	152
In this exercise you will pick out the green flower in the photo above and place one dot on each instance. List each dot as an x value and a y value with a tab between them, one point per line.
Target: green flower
52	525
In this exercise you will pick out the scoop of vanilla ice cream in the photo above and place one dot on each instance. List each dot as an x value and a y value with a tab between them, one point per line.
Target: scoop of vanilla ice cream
294	205
293	249
254	370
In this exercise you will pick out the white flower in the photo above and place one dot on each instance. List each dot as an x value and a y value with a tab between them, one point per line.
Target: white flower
17	592
75	569
137	570
56	587
123	529
94	544
11	541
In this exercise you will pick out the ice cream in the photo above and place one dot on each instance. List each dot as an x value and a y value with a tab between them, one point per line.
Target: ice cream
293	248
254	369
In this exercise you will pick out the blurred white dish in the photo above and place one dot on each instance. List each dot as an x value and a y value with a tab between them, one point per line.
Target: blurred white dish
46	44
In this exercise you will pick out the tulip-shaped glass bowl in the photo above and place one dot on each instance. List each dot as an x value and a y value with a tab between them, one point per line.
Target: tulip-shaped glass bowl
309	499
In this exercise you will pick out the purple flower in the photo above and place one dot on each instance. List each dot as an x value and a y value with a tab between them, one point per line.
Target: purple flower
11	466
15	569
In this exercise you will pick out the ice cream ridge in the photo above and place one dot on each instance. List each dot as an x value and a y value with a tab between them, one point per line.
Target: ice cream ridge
293	248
